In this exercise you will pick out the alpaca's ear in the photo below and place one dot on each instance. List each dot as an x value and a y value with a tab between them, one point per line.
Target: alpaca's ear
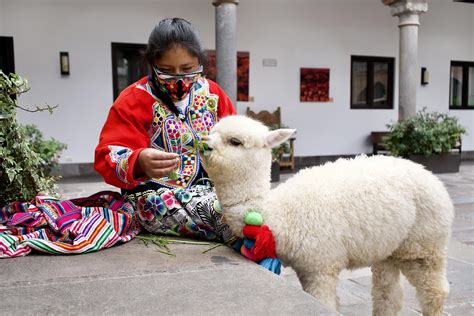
276	137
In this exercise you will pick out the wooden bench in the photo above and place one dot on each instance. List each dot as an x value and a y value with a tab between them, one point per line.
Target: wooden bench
271	119
377	139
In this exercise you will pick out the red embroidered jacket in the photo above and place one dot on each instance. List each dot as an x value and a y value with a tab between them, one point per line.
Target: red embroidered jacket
138	120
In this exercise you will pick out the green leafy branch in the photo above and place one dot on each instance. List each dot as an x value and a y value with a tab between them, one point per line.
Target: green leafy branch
22	160
11	87
48	108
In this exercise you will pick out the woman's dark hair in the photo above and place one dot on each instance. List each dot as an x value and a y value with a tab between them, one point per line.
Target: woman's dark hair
170	33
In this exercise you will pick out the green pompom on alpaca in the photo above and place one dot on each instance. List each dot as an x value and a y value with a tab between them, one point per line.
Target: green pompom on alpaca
253	218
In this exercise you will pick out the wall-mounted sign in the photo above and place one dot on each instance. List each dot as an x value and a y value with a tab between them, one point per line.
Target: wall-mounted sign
269	62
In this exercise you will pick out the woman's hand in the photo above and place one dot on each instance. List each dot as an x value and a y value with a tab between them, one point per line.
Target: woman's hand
155	163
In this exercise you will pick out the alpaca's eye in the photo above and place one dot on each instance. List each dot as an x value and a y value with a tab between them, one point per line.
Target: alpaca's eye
235	142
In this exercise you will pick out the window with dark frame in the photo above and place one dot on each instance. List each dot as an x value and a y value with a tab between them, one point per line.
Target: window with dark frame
372	81
461	85
7	56
128	65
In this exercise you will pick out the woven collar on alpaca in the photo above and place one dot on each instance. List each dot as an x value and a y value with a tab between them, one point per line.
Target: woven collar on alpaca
259	243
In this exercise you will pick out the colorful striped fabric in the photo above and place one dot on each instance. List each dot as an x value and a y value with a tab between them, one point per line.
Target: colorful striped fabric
66	227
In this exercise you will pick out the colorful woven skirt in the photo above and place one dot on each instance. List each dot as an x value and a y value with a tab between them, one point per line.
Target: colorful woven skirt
194	212
106	218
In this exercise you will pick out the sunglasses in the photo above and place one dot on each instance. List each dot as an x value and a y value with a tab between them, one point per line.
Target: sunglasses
165	76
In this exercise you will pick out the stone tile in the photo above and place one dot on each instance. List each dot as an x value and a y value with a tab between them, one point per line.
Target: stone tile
460	276
134	279
354	287
460	251
229	291
463	226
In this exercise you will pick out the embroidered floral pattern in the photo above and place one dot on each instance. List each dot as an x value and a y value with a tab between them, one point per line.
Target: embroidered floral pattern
209	120
173	132
159	115
193	212
119	155
212	103
169	199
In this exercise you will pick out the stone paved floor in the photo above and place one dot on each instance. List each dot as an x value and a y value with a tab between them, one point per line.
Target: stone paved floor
354	288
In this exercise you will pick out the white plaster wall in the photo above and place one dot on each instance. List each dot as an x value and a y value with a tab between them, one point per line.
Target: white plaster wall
446	34
298	33
317	34
1	16
85	29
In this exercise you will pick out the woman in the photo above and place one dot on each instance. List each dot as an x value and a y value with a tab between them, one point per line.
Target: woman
148	145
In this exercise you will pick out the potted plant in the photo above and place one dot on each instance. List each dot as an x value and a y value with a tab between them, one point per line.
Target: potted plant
49	150
23	171
277	154
427	138
275	174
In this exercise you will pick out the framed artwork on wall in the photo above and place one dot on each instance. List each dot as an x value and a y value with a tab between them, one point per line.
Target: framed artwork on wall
243	64
314	85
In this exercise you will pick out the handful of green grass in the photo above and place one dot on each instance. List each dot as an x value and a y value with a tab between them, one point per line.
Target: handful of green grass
162	243
173	175
204	149
201	147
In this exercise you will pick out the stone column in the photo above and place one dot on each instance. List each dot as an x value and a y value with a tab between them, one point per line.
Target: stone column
408	12
226	46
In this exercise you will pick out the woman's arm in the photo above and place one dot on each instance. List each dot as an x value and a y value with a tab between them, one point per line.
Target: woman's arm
122	139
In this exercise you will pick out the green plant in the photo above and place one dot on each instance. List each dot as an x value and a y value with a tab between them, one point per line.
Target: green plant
284	148
426	133
48	150
22	175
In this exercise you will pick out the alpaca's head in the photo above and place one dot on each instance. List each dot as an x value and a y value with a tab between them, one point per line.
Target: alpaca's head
240	148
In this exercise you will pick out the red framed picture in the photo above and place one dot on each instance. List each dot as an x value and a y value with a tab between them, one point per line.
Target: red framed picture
243	64
314	85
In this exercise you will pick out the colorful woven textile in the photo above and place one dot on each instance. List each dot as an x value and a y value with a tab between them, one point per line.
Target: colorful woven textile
193	212
258	244
66	227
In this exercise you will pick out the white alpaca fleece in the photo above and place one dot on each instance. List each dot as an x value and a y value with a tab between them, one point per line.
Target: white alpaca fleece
384	212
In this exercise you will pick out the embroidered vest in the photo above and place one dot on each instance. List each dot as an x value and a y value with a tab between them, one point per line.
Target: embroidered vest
181	134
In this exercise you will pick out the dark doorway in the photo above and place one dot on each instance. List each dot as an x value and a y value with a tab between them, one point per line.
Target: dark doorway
7	60
128	65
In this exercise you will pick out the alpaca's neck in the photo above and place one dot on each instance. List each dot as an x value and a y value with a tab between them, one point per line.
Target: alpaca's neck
241	194
231	194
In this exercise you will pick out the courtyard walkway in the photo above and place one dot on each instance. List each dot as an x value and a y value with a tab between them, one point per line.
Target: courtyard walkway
135	279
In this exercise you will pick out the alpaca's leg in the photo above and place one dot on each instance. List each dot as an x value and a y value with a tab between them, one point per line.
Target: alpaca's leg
387	293
321	286
428	276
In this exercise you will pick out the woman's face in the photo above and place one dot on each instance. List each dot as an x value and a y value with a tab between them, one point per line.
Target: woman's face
177	60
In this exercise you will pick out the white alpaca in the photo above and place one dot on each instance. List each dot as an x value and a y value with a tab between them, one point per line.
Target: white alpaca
384	212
